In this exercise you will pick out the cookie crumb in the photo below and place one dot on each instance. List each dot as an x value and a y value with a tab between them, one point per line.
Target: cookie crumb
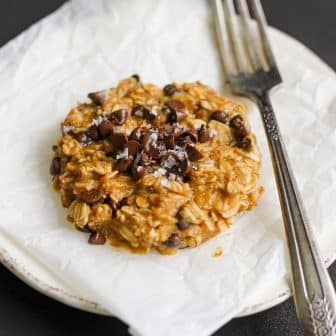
218	252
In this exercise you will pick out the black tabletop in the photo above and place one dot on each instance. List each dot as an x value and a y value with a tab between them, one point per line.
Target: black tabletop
23	311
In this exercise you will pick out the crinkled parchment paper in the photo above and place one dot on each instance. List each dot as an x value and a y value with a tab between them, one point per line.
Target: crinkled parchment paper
89	45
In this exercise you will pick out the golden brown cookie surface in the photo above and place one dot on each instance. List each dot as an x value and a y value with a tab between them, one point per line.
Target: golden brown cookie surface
145	167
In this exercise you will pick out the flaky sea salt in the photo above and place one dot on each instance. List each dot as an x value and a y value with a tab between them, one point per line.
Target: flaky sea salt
212	133
138	113
122	154
97	121
165	183
160	172
154	136
170	162
198	125
172	176
154	112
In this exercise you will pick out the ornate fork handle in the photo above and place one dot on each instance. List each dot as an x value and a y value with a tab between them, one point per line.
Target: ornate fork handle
314	294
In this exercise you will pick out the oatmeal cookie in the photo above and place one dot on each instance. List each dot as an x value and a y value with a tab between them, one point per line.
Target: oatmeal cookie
144	167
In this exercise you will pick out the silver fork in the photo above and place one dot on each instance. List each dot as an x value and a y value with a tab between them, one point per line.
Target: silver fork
251	70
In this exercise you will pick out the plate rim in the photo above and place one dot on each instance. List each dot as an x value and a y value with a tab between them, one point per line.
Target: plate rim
78	302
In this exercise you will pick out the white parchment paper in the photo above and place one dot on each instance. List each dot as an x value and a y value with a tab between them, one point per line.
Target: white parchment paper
89	45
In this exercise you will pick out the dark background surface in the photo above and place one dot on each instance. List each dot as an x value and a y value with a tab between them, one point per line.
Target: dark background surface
26	312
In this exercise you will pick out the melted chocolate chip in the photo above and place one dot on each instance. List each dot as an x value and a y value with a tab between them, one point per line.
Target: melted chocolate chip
55	166
176	110
139	171
173	241
93	133
98	97
54	148
220	116
133	147
193	153
182	223
170	89
119	140
123	164
203	134
237	123
244	143
91	196
106	128
119	117
97	238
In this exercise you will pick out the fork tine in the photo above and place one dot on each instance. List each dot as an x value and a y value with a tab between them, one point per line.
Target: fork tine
262	24
234	35
229	62
250	42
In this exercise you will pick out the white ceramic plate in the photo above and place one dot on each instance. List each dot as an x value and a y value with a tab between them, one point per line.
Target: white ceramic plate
35	275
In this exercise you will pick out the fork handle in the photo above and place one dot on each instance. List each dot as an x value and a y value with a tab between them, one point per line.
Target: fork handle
314	294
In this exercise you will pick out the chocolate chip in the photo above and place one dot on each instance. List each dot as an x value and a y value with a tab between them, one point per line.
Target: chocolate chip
83	138
93	133
119	140
106	128
91	196
237	123
133	147
220	116
176	130
156	153
139	171
146	141
124	201
136	77
193	153
144	159
203	134
55	166
173	241
169	141
187	137
143	112
123	164
161	132
119	117
136	134
98	97
244	143
139	111
182	223
54	148
176	110
190	134
184	167
97	238
170	89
